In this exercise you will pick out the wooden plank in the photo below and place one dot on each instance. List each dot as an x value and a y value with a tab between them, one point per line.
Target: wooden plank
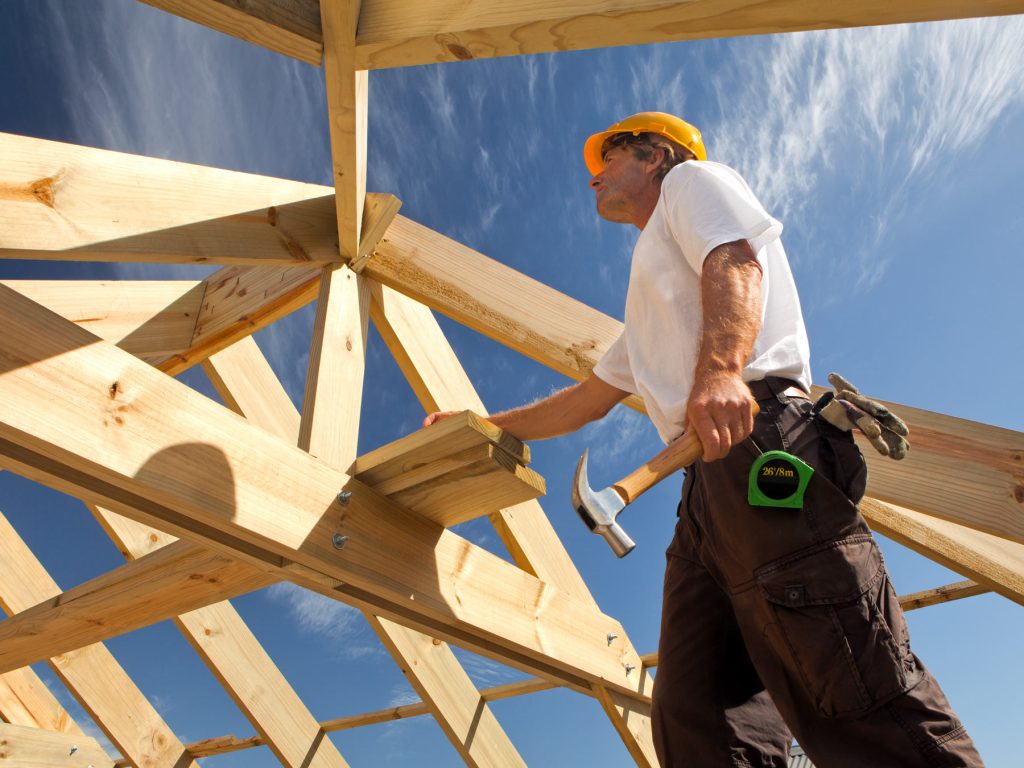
989	560
452	698
472	490
46	622
25	700
289	27
244	380
91	674
944	594
439	441
347	91
144	317
397	34
94	420
334	378
959	470
60	201
632	720
35	748
239	301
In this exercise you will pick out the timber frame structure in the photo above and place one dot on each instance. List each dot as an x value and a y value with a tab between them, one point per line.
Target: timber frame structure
90	408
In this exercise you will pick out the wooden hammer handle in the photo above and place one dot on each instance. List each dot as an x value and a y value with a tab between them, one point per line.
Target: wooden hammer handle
676	455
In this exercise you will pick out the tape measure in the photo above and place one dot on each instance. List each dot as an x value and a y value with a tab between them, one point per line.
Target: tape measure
778	479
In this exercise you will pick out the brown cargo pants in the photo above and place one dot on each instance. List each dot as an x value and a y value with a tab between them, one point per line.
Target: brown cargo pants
783	621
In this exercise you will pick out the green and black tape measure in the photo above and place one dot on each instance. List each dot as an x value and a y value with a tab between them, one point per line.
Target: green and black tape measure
778	479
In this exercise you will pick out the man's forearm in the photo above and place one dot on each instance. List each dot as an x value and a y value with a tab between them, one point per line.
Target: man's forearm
565	411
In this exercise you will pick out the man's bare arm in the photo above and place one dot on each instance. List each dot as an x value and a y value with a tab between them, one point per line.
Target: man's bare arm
720	403
565	411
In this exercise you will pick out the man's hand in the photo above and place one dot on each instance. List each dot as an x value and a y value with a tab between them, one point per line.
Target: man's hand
720	409
437	416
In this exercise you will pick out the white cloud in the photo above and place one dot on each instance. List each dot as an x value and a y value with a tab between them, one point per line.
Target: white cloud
319	615
872	114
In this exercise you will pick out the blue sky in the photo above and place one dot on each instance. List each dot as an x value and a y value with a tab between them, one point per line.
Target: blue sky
891	154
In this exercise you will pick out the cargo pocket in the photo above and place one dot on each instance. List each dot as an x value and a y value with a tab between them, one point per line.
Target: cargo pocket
839	627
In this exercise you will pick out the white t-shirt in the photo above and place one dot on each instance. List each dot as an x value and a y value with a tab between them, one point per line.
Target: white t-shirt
702	205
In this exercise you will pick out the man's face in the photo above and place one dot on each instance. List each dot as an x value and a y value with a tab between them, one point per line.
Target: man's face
621	187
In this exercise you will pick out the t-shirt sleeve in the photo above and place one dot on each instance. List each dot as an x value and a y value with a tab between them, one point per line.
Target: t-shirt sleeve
706	208
613	367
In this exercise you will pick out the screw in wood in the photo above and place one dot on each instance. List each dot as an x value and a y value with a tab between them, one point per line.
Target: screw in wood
339	541
344	496
611	637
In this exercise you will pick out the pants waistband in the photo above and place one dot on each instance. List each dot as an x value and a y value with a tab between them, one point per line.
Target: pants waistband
774	386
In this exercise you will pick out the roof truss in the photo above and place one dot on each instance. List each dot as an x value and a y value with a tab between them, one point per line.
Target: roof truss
91	417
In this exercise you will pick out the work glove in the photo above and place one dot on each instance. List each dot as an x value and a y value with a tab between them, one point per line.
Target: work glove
848	409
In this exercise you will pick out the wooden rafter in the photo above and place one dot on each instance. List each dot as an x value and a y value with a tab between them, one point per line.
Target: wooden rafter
25	700
396	33
91	673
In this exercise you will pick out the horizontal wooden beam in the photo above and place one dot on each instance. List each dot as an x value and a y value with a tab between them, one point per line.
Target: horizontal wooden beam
66	202
989	560
94	420
396	34
35	748
944	594
289	27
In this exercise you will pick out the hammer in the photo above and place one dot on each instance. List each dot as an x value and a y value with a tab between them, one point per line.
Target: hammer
598	509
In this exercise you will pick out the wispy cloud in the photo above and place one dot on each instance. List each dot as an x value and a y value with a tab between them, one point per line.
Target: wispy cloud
867	116
319	615
486	673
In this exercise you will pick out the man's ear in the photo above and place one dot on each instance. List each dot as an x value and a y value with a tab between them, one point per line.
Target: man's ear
658	156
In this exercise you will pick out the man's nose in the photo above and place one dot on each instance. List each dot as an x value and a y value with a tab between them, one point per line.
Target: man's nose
595	182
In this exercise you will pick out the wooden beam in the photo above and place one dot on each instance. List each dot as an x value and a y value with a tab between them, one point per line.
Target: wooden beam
450	695
347	91
329	428
396	34
36	748
91	673
247	384
144	317
173	580
989	560
60	201
944	594
25	700
289	27
94	420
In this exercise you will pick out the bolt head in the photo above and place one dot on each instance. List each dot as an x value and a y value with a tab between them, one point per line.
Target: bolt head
344	496
339	541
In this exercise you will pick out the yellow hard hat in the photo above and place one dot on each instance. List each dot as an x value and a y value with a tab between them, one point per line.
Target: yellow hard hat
661	123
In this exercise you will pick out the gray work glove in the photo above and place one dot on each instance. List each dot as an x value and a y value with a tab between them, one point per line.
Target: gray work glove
849	410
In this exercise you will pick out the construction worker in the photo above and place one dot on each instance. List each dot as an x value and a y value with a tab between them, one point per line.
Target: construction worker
776	621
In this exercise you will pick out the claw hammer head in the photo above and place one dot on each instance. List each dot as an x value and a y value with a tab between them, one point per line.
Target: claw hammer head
598	509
